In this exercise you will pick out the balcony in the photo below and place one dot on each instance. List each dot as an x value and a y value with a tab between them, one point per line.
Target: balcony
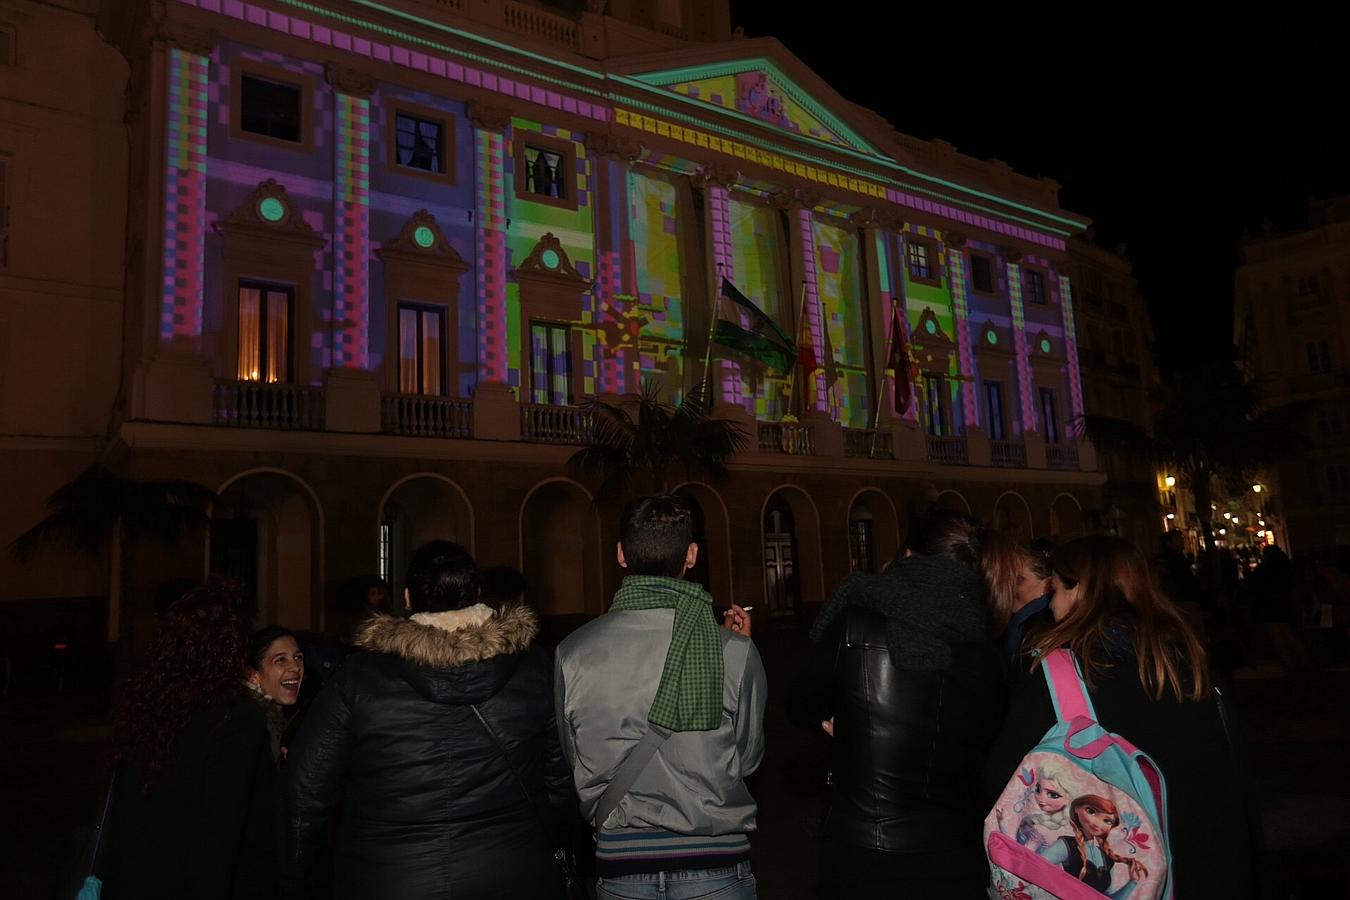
1008	454
786	437
869	443
256	404
545	424
949	450
420	416
1061	456
511	15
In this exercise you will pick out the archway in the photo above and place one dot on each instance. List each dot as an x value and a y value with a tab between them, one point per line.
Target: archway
1066	518
560	550
713	536
873	531
417	509
267	532
793	571
1012	515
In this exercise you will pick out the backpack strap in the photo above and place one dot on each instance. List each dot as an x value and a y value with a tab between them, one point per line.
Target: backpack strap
1068	691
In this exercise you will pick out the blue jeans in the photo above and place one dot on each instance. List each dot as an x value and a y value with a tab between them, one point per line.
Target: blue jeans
730	883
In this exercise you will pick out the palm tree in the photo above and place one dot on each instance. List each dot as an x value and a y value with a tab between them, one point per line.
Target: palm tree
659	440
100	509
1208	427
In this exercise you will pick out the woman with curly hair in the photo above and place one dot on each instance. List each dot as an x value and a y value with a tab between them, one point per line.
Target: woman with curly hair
192	787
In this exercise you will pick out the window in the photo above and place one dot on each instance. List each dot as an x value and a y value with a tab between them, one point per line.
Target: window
420	143
421	349
550	364
981	274
1049	418
993	409
545	173
936	418
1035	287
920	263
265	332
1319	356
860	543
270	108
387	552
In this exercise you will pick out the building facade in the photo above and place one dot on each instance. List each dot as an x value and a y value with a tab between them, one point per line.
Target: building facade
1292	325
377	256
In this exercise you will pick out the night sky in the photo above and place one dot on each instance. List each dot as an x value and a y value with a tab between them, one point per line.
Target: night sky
1174	151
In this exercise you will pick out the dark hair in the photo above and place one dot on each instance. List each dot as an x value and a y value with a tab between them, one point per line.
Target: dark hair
442	576
655	533
963	539
1117	589
261	640
194	661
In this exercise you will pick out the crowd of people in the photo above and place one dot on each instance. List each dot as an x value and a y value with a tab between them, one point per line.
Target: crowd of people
455	755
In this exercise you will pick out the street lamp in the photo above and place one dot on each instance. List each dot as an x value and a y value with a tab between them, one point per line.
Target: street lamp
1256	488
1228	515
1223	531
1170	480
1171	515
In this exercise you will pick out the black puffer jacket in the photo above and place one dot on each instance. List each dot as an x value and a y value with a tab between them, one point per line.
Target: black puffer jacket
429	808
917	694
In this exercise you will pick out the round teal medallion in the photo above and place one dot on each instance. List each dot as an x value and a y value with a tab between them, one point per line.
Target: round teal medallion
991	336
550	259
1045	345
930	326
271	209
423	236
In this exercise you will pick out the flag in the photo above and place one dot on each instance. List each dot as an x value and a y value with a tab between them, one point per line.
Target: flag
900	363
806	351
762	339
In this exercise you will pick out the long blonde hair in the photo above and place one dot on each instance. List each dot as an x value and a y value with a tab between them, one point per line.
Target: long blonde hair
1117	589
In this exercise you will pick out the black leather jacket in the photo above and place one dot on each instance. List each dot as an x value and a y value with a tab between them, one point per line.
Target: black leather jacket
908	745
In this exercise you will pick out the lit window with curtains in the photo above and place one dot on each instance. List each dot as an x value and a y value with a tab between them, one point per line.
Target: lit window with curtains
420	145
265	332
550	364
421	349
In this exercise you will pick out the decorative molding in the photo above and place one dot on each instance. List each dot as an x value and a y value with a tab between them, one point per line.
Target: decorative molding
620	146
922	333
404	246
716	173
535	266
954	239
355	82
489	118
247	217
1012	255
188	38
796	198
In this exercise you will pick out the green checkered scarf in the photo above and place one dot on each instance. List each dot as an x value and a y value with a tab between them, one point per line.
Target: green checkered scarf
689	697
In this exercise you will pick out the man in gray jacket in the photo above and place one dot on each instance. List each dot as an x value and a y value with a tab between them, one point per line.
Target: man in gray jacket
661	714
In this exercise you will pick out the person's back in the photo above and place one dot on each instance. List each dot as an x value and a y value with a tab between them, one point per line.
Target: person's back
1109	615
204	826
431	808
658	663
909	743
912	690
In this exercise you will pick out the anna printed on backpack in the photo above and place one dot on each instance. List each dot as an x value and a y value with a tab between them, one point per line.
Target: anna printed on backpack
1083	817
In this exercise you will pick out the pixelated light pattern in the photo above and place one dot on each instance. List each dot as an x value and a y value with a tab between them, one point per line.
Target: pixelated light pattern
351	238
180	319
1071	346
1025	384
575	230
956	262
843	352
759	95
726	373
758	250
494	338
814	383
657	310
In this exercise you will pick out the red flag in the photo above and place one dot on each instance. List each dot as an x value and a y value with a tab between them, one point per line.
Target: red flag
899	363
806	353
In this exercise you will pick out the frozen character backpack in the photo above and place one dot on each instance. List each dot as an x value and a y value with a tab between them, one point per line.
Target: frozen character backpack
1083	816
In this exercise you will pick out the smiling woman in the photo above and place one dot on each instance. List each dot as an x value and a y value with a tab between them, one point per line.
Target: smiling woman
275	669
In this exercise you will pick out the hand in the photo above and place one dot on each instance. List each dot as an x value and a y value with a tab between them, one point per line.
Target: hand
828	726
736	620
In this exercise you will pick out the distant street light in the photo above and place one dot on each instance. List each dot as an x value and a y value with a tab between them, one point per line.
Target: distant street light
1170	481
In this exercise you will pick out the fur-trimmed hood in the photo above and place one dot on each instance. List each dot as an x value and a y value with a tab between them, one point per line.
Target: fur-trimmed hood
461	656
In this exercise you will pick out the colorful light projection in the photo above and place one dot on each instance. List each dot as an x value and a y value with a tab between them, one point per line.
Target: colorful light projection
180	318
351	240
1025	384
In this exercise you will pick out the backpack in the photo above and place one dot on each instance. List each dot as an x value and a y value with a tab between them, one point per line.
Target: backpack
1083	816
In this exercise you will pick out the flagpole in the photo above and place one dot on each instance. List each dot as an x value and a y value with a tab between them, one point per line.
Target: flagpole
792	373
707	355
881	394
